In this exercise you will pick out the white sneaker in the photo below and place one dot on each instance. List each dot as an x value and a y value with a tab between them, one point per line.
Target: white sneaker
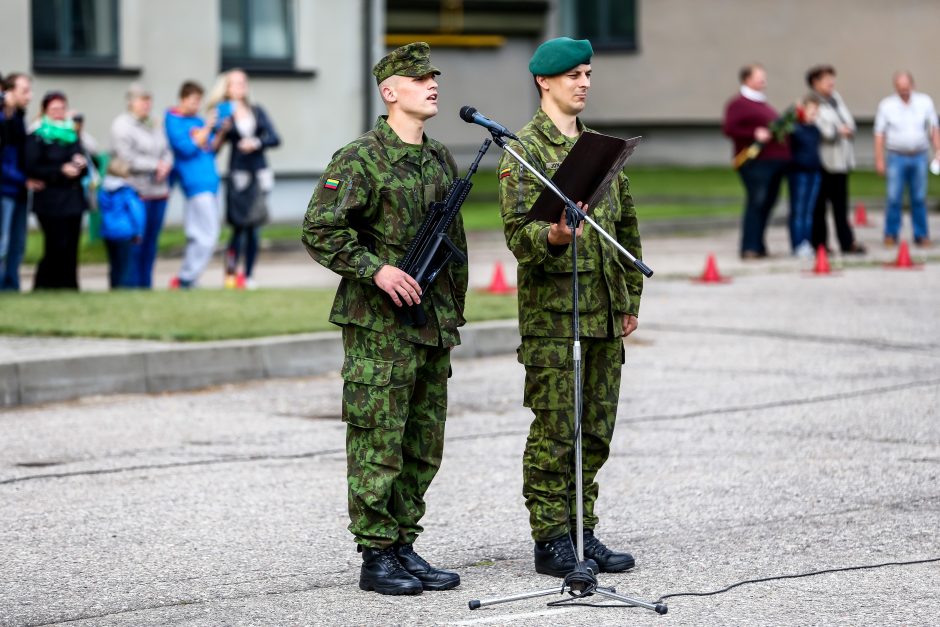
804	250
250	284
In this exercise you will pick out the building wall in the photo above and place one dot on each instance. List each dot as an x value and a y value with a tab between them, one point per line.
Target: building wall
175	40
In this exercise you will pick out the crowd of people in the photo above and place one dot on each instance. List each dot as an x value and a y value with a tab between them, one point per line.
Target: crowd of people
811	144
50	165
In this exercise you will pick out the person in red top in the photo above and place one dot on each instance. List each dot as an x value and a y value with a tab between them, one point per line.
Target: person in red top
747	118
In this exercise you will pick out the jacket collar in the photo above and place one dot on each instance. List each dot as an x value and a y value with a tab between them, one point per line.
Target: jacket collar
550	131
395	148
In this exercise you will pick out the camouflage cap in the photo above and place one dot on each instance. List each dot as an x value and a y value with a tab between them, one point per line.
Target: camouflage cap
560	55
410	60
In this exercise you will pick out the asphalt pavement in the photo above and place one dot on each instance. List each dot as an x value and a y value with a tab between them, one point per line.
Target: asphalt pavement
780	424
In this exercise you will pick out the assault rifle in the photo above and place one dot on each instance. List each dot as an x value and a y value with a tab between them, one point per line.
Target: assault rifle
431	250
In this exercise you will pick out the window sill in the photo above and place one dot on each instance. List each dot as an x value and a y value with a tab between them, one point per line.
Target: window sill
269	72
84	70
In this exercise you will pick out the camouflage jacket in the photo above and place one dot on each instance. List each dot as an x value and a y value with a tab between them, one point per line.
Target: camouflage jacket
365	212
609	286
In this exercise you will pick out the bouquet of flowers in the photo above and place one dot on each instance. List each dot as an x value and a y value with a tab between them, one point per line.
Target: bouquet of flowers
779	129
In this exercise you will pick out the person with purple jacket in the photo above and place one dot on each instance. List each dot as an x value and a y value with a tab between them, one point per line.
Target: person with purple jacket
747	120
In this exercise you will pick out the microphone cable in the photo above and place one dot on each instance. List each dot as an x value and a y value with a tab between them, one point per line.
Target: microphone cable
812	573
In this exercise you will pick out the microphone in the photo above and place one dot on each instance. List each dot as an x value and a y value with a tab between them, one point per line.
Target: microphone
471	115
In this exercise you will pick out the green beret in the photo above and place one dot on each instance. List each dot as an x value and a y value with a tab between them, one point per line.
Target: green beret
559	55
410	60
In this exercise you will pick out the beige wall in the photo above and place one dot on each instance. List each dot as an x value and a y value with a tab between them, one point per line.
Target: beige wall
690	52
175	40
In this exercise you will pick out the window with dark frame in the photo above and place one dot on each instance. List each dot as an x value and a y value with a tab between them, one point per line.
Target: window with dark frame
75	33
257	34
609	24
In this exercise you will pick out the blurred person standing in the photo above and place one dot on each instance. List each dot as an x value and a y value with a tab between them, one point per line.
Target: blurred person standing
194	144
804	176
905	127
250	180
123	219
837	153
141	144
54	156
747	119
17	92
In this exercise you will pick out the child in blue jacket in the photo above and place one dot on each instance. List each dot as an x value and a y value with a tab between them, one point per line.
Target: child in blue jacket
122	223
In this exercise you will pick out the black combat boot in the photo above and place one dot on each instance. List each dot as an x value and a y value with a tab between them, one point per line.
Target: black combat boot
382	572
431	578
556	557
609	561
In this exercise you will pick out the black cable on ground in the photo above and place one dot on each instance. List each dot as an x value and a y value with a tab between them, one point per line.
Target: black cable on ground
843	569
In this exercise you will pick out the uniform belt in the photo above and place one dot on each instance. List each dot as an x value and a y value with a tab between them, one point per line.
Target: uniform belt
908	153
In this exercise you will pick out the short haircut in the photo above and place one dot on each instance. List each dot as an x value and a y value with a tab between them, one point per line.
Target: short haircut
817	72
9	81
901	73
189	88
745	72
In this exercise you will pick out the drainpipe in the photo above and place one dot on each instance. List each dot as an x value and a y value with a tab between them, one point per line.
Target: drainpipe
373	49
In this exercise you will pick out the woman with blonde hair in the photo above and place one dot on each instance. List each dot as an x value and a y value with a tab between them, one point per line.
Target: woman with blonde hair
250	133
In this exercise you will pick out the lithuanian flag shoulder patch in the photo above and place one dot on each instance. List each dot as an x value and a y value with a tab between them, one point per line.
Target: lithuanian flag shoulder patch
332	184
505	172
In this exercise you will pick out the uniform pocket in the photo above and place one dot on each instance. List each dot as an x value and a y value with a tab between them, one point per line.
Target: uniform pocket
548	373
369	400
555	284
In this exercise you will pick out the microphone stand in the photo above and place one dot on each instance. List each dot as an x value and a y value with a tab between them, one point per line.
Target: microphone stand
581	582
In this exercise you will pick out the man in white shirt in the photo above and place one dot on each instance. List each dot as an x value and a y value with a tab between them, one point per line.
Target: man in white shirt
906	125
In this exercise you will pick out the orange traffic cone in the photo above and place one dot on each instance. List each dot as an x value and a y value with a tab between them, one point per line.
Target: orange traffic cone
822	261
498	283
904	258
861	216
711	273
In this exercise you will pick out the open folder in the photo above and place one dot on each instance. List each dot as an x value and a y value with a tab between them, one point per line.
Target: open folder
585	174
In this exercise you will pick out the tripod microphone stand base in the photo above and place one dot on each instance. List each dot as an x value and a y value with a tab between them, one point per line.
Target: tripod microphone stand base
610	593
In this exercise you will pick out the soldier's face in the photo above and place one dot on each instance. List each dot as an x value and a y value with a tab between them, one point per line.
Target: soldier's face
416	97
569	90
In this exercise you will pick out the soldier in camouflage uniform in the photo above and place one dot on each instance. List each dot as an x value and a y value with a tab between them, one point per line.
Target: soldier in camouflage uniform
609	302
363	216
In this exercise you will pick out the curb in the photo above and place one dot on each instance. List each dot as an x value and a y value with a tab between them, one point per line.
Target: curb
201	365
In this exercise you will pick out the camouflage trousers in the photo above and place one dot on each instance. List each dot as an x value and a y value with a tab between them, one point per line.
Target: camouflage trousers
394	407
548	462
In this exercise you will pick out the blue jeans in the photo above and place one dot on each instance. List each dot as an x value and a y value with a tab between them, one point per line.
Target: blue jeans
144	255
761	178
12	241
804	188
121	256
907	171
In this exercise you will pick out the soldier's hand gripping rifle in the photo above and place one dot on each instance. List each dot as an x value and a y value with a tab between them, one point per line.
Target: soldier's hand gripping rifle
432	249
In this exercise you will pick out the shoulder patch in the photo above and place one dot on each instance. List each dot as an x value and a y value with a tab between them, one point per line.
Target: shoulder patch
505	172
332	184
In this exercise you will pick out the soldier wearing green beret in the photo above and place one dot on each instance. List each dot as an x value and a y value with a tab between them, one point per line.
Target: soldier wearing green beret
609	303
364	214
